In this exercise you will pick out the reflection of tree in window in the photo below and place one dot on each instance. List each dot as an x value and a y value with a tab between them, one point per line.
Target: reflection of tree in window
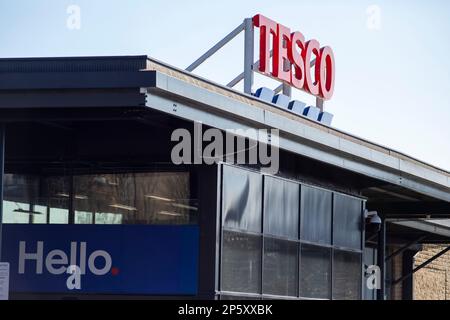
136	198
130	198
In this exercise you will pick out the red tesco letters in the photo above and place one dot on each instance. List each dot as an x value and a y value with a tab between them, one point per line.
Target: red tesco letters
292	56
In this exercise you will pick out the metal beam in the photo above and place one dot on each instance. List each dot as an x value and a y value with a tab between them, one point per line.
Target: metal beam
434	229
319	103
76	98
297	135
411	208
216	47
76	80
279	88
404	248
287	90
249	50
423	265
255	67
372	237
238	79
381	259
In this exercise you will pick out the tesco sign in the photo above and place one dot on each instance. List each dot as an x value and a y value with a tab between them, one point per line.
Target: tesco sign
292	56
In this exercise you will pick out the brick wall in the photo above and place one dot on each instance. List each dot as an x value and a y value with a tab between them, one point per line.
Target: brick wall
433	281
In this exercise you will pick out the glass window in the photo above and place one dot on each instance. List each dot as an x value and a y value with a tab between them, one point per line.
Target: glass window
346	275
280	267
34	199
19	190
59	216
107	218
347	221
131	198
56	192
15	212
316	215
241	199
315	272
134	198
241	262
39	215
281	202
82	217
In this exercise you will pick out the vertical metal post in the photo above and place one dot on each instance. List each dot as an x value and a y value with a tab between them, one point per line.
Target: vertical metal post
249	47
381	260
287	90
2	169
407	267
319	103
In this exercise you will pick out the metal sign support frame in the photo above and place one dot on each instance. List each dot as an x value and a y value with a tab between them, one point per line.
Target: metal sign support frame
249	65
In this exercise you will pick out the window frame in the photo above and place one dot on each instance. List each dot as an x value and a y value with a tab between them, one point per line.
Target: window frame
299	241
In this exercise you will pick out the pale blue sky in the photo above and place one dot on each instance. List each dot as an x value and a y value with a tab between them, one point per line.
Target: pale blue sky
392	84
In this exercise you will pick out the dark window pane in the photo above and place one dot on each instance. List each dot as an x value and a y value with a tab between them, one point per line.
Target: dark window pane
315	271
241	262
134	198
316	215
347	221
281	201
347	275
242	199
280	267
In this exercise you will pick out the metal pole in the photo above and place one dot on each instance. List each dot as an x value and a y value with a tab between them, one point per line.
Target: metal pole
238	78
381	260
287	90
249	49
216	47
423	265
319	103
404	248
2	169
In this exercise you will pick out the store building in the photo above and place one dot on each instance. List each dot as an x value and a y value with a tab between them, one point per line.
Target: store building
89	180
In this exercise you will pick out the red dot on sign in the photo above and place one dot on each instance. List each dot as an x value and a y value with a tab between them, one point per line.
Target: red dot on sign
114	271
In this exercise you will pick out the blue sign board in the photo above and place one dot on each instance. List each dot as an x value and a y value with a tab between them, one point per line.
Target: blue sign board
111	259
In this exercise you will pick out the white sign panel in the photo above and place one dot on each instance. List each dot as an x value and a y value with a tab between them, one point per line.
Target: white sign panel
4	280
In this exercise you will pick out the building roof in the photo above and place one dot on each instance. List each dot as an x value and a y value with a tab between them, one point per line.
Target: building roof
307	137
188	96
